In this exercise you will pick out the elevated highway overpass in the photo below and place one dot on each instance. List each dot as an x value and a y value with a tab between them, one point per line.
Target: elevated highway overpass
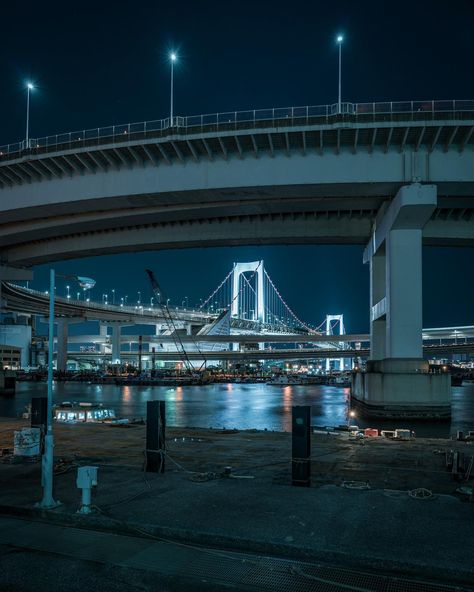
297	175
430	352
20	299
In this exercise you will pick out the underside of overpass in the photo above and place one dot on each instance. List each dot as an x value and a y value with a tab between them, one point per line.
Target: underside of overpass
306	178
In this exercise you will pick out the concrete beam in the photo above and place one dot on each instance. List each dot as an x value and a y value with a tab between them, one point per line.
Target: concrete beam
411	208
15	274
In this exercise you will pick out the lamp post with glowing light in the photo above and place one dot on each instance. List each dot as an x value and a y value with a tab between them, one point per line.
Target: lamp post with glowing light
339	40
29	87
173	58
47	464
350	416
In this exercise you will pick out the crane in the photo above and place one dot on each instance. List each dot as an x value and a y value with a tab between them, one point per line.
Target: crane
163	304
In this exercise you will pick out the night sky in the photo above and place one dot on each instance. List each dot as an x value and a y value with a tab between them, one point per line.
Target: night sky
102	63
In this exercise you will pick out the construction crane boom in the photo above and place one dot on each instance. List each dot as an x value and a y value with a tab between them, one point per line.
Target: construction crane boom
163	304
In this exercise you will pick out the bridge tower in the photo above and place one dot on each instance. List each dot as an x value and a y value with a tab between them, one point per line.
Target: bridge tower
340	319
255	267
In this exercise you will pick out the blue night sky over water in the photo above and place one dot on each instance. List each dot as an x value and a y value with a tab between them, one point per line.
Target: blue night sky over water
103	63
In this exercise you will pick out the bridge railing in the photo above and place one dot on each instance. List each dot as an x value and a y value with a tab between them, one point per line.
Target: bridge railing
233	120
132	309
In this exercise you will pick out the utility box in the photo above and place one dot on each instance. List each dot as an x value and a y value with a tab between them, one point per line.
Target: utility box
301	446
86	477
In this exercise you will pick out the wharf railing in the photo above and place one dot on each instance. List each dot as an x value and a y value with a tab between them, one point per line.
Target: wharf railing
241	120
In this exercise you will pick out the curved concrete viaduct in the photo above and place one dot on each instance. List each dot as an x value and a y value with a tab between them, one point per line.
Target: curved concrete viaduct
302	179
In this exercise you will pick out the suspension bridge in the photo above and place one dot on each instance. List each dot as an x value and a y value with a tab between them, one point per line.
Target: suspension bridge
246	302
250	294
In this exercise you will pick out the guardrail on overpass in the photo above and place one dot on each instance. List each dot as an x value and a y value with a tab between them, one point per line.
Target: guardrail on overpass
232	120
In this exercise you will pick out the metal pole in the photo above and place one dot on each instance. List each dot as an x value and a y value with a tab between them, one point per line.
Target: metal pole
48	456
340	81
27	114
171	97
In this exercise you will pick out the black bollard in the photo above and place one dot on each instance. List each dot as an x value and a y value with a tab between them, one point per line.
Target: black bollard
155	436
39	416
301	446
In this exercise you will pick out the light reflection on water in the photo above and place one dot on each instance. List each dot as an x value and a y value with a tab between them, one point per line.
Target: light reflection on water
240	406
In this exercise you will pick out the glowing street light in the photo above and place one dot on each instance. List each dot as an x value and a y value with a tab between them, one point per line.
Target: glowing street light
29	87
339	40
173	58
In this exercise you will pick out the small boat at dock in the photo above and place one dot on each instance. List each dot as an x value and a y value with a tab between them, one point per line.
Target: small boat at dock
72	412
285	380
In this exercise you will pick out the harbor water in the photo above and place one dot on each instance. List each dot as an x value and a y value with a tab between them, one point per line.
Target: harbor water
240	406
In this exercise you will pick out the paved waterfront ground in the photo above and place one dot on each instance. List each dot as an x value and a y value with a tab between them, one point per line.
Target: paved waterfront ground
378	527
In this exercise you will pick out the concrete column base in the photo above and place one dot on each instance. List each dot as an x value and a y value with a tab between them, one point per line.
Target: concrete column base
402	388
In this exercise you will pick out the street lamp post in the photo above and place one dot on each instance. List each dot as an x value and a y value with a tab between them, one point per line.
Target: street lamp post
47	464
173	58
113	295
29	87
68	294
339	40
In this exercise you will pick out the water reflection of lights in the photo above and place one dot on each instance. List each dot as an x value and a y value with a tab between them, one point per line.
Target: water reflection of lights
179	393
287	398
127	393
229	387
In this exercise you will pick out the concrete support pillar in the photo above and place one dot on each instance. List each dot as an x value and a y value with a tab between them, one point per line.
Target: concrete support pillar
404	309
116	335
397	381
103	332
62	335
377	295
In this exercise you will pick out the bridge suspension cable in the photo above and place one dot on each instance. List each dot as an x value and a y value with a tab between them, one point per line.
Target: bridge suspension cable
287	308
217	292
